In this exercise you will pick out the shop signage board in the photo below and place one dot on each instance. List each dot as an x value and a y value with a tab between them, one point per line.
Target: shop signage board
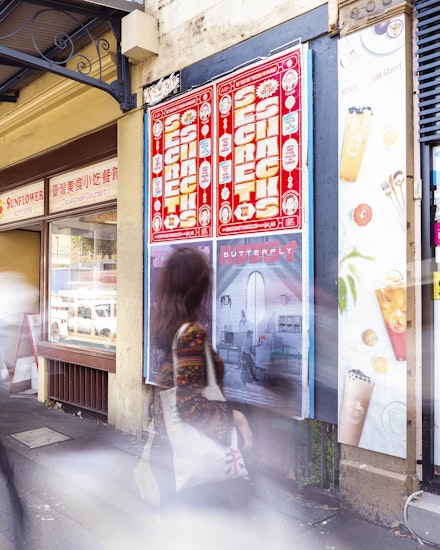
227	174
372	239
22	203
85	186
23	375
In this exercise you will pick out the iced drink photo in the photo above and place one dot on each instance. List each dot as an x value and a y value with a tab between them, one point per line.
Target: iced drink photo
357	131
392	302
356	396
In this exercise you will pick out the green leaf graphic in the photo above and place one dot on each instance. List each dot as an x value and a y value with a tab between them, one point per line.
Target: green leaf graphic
342	294
352	286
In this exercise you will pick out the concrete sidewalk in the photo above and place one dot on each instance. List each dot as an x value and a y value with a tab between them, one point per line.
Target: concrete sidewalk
75	477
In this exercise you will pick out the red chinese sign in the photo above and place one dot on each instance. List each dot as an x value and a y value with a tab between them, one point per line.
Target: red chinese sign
259	148
85	186
180	167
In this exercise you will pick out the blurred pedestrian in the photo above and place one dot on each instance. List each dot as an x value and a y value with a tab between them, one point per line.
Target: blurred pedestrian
15	502
184	287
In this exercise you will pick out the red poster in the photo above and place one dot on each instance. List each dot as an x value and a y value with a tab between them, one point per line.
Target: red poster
180	167
259	147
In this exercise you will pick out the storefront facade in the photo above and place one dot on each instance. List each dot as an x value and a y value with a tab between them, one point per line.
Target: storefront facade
60	146
295	76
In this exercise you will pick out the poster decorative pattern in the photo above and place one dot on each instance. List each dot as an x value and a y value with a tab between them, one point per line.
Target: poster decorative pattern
226	174
372	239
259	147
180	167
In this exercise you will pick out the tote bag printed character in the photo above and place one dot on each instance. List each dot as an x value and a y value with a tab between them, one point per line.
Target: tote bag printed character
198	459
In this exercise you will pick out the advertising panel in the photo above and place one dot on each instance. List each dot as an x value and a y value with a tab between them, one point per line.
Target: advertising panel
157	259
372	239
180	167
260	305
260	147
227	173
435	183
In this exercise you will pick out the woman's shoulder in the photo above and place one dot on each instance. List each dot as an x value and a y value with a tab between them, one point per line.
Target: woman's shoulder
194	333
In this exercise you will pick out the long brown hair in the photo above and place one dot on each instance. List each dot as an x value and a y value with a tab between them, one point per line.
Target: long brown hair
184	286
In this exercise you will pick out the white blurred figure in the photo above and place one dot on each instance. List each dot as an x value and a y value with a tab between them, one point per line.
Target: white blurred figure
4	373
17	296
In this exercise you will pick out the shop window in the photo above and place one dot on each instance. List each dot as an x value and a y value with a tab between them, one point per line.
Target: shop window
83	260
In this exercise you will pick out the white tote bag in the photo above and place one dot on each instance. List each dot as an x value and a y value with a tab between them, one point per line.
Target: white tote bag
199	459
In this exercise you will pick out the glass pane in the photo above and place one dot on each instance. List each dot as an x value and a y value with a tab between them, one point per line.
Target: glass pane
83	259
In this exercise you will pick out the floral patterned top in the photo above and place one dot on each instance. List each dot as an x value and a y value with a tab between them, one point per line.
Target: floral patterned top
212	417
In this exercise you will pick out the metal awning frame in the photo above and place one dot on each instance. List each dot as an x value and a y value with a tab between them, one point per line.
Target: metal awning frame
47	61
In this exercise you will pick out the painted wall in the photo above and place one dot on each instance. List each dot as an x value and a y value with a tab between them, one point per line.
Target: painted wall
125	386
189	33
19	284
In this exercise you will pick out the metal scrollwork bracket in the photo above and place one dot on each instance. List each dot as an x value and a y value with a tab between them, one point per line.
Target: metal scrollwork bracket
62	52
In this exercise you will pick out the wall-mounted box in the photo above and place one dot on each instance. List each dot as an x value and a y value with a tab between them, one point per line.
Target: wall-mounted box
139	36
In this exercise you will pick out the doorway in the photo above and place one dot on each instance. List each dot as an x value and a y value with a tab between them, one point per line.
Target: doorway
19	290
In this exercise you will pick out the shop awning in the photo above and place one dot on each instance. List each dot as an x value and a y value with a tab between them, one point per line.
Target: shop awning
50	36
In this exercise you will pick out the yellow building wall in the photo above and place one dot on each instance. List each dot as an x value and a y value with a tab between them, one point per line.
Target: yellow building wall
19	286
20	253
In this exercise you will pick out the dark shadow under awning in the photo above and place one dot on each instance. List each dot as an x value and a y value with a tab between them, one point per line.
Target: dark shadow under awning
45	35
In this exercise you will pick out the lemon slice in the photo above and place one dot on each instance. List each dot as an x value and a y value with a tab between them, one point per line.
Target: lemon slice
380	364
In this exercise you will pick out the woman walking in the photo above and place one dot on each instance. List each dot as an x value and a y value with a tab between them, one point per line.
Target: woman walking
184	288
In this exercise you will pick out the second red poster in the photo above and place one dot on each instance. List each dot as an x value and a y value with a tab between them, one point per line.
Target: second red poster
259	147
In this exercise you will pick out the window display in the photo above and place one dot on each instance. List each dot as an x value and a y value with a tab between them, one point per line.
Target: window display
83	260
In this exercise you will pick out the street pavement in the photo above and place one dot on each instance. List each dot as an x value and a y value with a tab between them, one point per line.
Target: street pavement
75	479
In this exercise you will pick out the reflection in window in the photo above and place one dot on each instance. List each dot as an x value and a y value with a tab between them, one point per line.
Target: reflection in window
83	260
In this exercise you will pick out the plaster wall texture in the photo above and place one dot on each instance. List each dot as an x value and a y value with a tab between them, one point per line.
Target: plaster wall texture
191	31
125	386
375	493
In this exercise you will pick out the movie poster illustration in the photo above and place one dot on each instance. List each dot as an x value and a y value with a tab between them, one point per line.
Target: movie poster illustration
158	256
260	321
259	137
180	167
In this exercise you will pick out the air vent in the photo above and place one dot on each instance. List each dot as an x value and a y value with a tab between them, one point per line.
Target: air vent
428	44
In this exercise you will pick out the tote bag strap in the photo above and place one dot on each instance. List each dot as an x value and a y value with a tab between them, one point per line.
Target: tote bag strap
210	372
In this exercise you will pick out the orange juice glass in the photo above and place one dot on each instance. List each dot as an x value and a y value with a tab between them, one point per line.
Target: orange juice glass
357	131
392	302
